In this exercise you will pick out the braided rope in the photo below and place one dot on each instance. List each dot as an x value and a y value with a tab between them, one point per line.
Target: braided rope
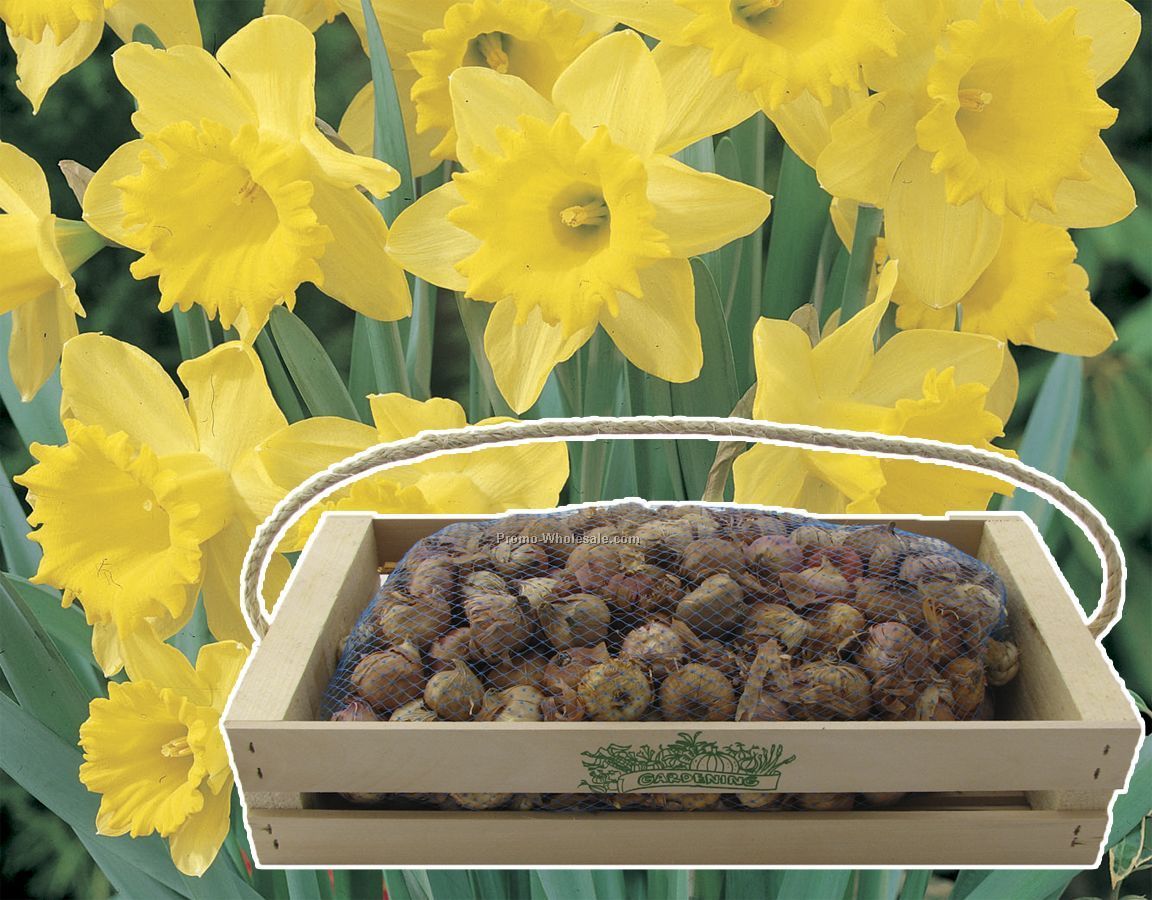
435	443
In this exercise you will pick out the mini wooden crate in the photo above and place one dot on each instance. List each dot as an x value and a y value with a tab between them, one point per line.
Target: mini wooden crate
1034	788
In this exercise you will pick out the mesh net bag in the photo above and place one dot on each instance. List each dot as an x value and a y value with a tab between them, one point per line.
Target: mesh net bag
676	613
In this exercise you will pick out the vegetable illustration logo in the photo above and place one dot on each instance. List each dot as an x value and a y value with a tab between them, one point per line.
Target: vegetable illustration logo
686	762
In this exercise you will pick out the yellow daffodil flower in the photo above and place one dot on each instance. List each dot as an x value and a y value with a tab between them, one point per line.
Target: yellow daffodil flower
778	49
154	751
484	481
992	107
52	37
927	384
233	195
38	254
1031	293
534	40
572	213
153	497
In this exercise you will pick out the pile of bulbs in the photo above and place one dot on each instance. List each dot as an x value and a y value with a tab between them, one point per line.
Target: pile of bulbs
679	614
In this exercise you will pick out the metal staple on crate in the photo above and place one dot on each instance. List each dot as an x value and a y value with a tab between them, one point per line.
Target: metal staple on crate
435	443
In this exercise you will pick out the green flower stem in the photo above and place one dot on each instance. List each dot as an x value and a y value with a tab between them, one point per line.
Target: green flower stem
421	334
868	223
799	215
192	332
604	368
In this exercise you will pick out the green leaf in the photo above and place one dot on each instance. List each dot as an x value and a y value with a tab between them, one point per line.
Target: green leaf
609	885
1050	433
876	884
869	219
450	883
128	880
1132	805
474	316
46	766
192	331
658	468
715	391
361	884
22	555
915	884
725	262
668	884
806	885
1019	884
302	884
567	884
38	420
707	884
1132	854
799	214
390	143
490	884
279	381
749	141
421	337
40	678
397	884
604	368
742	883
309	366
377	362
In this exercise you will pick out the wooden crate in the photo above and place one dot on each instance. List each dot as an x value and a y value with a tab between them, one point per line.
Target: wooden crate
1034	788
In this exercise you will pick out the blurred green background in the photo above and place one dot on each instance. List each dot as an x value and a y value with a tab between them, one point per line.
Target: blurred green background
86	117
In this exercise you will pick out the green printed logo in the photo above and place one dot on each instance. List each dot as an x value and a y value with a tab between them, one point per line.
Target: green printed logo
686	762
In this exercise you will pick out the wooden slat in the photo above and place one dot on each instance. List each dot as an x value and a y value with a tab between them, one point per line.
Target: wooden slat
538	758
1064	674
887	838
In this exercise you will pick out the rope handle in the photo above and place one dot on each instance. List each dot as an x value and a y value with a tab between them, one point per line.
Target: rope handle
429	444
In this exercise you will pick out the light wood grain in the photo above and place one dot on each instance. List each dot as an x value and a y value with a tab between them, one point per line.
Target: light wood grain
886	838
535	758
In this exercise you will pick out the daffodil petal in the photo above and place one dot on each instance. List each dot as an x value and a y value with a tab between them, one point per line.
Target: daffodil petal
615	83
484	101
522	355
147	658
867	145
312	13
223	558
897	371
230	402
770	475
1005	389
39	330
23	187
272	61
349	170
658	332
184	84
196	843
309	446
119	387
699	103
1104	199
429	246
806	124
786	388
357	269
699	211
498	473
1077	327
397	417
358	125
104	201
41	65
942	248
173	21
842	360
1113	25
859	478
658	18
